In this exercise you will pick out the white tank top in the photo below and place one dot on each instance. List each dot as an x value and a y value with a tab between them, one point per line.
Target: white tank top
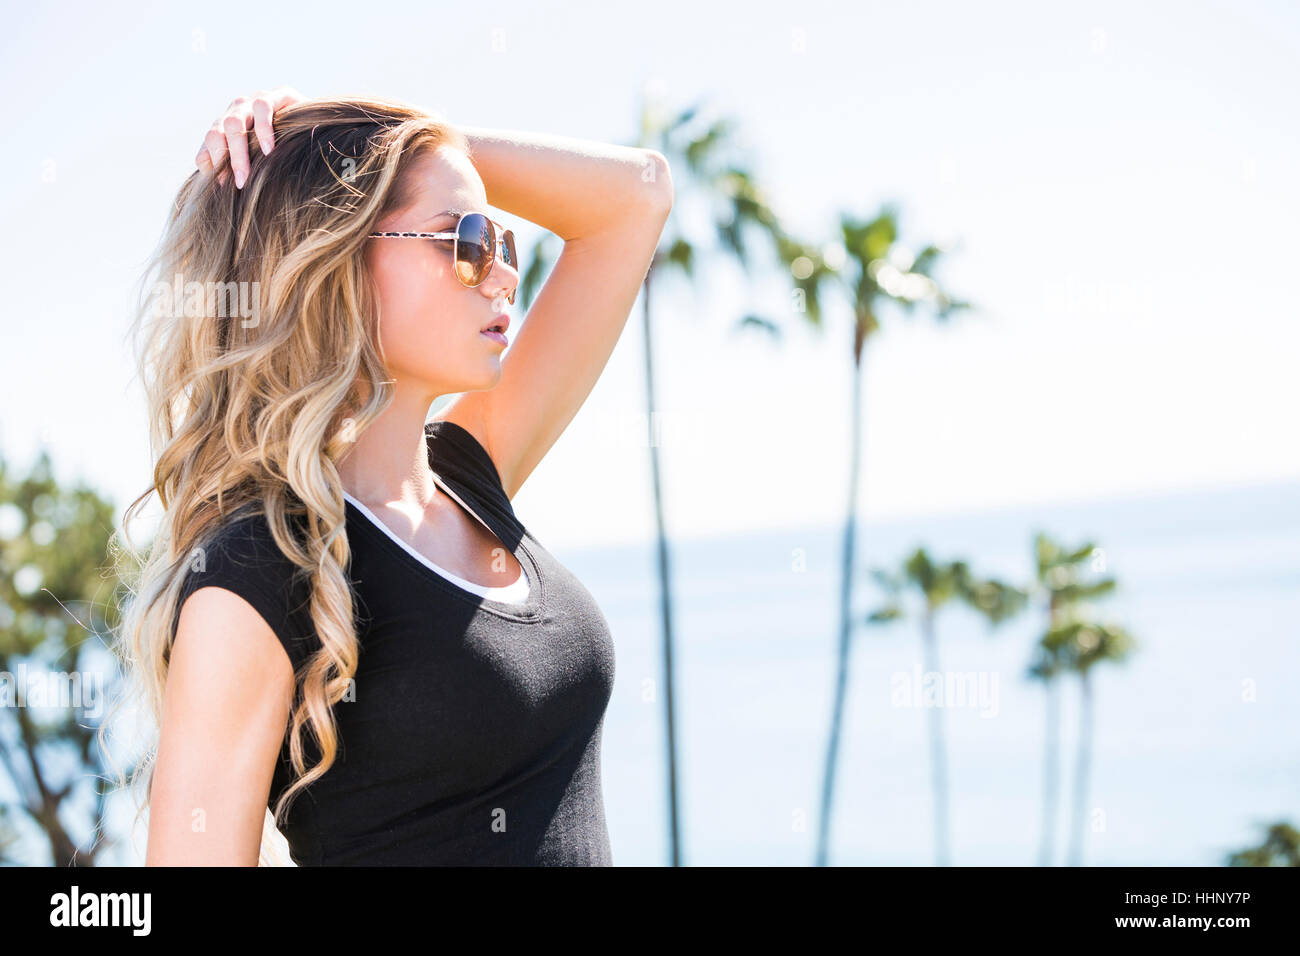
516	593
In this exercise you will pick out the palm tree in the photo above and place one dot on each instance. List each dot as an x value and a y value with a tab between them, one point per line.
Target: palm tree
1047	666
704	174
1075	641
870	268
1094	642
938	585
1057	573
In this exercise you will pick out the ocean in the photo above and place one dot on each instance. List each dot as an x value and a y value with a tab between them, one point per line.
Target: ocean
1196	737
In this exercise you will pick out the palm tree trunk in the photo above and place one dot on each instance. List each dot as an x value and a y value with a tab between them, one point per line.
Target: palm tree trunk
846	611
665	580
938	767
1051	771
1081	769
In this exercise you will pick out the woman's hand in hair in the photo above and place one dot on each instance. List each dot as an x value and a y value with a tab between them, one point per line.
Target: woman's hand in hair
228	135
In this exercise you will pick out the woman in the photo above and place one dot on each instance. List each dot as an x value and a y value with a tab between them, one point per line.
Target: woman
352	628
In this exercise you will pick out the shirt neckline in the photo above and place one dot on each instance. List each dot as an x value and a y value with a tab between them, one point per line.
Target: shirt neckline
530	609
481	590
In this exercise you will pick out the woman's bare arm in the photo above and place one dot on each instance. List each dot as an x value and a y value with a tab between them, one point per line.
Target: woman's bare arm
609	204
225	710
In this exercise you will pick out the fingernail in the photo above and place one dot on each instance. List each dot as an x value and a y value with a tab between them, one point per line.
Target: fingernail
239	179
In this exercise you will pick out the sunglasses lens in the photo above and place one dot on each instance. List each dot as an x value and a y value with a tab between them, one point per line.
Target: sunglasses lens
512	259
476	240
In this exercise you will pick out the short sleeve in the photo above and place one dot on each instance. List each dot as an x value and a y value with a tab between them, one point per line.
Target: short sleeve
243	558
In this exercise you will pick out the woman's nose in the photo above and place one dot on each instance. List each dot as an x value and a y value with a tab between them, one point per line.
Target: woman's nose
503	280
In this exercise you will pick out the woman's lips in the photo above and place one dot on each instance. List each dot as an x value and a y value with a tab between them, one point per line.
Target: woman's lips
496	329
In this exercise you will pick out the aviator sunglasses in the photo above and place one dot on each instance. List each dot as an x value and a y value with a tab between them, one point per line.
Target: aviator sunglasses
474	247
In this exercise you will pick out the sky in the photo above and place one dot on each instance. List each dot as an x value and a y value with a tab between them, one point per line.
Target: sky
1115	183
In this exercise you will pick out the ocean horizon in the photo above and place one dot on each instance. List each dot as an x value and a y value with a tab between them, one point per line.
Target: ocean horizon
1193	737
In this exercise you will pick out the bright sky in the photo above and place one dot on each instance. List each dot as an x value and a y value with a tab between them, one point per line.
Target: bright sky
1120	178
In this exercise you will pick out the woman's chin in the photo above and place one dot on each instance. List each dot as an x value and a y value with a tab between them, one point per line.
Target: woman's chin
490	377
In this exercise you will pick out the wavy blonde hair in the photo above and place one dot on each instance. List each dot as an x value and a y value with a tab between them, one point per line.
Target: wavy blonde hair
252	416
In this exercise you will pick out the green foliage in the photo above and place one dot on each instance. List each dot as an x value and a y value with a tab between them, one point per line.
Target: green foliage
56	598
809	272
681	254
885	614
995	599
870	268
938	584
1281	847
539	267
764	325
1075	638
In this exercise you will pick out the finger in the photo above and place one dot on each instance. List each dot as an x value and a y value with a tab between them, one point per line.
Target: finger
235	126
276	100
262	110
227	141
215	142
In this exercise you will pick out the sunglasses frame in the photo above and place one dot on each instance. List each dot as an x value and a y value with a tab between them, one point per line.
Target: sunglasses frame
503	240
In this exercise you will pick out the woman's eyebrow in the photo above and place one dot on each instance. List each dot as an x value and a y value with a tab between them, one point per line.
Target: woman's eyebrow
456	213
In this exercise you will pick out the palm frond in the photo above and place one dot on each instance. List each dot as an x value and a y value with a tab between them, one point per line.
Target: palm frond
772	329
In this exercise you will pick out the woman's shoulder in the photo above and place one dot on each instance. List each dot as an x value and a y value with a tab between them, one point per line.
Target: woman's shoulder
242	556
247	540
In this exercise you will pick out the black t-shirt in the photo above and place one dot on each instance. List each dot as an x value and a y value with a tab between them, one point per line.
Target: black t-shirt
474	737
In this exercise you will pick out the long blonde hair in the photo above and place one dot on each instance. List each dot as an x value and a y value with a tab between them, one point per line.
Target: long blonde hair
251	405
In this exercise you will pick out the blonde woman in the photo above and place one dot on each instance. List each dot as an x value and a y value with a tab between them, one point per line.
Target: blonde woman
342	629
